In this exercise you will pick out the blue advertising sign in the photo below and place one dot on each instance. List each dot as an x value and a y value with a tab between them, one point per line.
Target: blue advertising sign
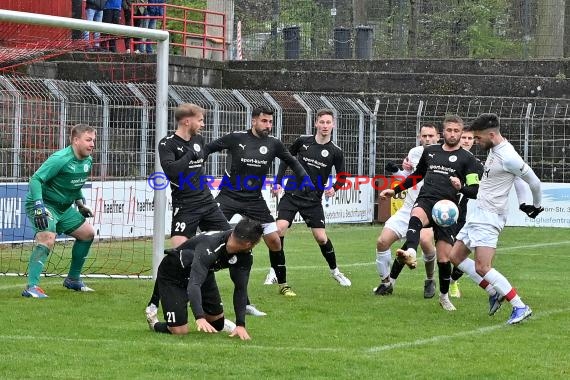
14	224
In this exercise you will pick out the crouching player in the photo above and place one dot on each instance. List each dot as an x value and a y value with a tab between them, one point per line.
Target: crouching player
186	274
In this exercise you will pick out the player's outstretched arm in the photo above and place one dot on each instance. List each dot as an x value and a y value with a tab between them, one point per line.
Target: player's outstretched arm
218	145
519	168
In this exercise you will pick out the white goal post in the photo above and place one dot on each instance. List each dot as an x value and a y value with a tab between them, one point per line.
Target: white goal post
163	40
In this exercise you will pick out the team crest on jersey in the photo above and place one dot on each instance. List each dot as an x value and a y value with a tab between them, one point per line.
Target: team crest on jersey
263	150
325	153
452	158
197	147
233	259
86	168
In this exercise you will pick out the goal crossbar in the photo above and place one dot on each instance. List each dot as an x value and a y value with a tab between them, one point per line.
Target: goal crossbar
163	39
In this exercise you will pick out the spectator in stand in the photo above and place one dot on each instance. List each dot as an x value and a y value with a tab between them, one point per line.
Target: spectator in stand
94	12
111	15
140	11
156	9
126	6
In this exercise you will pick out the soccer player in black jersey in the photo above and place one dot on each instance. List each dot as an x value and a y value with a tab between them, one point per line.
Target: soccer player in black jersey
182	158
318	155
438	166
187	275
467	140
251	154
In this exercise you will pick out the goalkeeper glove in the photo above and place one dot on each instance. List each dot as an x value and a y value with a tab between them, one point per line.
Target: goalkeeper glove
391	167
40	216
530	210
83	210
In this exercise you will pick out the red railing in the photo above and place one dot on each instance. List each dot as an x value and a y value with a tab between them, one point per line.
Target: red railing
193	32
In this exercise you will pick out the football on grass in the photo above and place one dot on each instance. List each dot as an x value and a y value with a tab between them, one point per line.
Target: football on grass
445	213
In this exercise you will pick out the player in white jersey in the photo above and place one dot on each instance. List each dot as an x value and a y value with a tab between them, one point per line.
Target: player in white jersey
483	225
396	226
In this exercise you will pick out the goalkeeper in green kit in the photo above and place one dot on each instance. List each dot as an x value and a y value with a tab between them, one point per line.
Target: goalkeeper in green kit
53	189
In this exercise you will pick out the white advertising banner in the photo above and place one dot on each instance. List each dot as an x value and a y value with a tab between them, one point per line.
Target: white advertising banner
556	203
126	209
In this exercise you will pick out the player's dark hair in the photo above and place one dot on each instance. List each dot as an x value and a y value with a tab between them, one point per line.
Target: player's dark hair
485	121
248	230
430	125
452	119
79	129
187	110
325	111
261	110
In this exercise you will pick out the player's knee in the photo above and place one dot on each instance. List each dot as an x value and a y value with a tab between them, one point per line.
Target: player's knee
46	238
273	241
482	268
218	324
89	235
85	232
178	330
282	226
381	244
321	239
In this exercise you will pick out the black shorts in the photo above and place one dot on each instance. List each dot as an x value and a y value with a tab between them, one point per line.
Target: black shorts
446	234
186	220
172	288
255	209
311	211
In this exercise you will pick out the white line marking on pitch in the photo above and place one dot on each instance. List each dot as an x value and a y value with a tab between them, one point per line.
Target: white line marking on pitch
498	250
189	343
439	338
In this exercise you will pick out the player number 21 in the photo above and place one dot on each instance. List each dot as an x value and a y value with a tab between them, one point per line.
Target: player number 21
171	317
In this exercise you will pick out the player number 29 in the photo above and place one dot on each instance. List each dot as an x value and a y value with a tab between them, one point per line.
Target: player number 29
180	227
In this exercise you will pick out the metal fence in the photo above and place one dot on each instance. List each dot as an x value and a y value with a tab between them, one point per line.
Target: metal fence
539	129
371	130
37	114
400	28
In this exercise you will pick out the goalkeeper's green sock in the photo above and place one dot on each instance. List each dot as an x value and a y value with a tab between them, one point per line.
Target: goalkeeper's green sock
79	252
38	260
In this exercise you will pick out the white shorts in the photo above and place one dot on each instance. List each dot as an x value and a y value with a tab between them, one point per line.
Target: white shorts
482	228
269	228
399	222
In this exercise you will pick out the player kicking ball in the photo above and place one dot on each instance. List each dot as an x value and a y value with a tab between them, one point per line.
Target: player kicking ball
483	226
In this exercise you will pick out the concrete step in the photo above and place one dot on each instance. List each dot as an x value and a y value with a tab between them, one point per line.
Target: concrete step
529	68
115	67
397	82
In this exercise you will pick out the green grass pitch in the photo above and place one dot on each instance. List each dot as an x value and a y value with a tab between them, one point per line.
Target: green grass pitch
325	332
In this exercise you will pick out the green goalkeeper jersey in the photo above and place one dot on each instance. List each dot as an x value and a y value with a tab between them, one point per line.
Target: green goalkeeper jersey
59	180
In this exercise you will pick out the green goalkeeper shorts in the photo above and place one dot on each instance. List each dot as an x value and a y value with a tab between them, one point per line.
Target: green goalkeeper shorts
58	222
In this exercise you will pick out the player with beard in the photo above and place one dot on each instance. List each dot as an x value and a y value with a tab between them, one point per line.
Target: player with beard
484	224
438	166
396	226
181	156
251	155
